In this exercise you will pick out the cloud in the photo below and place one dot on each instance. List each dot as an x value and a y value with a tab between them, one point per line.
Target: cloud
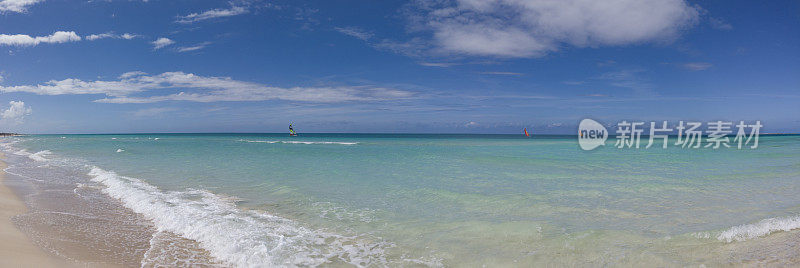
131	74
153	111
194	48
719	24
355	32
606	63
574	83
204	89
27	40
19	6
436	64
503	73
630	79
126	36
697	66
521	28
412	48
210	14
16	112
162	42
99	36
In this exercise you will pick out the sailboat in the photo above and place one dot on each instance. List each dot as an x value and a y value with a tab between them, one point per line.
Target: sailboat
291	131
526	132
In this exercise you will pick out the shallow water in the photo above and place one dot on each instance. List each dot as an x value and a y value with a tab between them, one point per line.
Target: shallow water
429	200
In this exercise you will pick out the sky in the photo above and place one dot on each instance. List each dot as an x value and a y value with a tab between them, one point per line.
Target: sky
444	66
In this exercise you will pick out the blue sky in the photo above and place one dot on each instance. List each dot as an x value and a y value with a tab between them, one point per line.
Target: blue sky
460	66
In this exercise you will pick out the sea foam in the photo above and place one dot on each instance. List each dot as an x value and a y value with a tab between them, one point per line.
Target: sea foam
237	237
759	229
40	156
303	142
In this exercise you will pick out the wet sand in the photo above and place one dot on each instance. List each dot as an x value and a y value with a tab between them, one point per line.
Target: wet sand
58	222
16	249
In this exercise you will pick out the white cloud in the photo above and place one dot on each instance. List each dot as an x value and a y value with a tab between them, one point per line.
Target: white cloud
697	66
355	32
574	83
153	111
720	24
131	74
99	36
436	64
194	48
16	112
126	36
412	48
57	37
162	42
204	89
528	28
18	6
210	14
503	73
630	79
27	40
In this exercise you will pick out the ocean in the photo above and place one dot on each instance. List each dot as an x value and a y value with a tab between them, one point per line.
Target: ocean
248	200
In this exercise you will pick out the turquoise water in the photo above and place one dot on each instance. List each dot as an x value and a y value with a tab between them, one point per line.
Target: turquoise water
430	200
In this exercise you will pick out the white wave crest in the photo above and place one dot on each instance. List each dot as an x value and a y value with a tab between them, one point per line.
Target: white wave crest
120	150
260	141
39	156
304	142
759	229
22	152
237	237
320	142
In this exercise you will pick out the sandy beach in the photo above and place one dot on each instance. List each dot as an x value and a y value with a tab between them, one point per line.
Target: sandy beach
16	250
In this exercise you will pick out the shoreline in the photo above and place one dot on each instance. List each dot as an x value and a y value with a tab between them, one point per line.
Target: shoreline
55	224
17	249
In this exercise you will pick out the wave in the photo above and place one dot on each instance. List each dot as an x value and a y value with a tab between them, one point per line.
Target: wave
759	229
303	142
238	237
39	156
22	152
260	141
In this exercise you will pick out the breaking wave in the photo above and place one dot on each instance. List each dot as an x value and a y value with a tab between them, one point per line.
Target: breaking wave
759	229
39	156
238	237
303	142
